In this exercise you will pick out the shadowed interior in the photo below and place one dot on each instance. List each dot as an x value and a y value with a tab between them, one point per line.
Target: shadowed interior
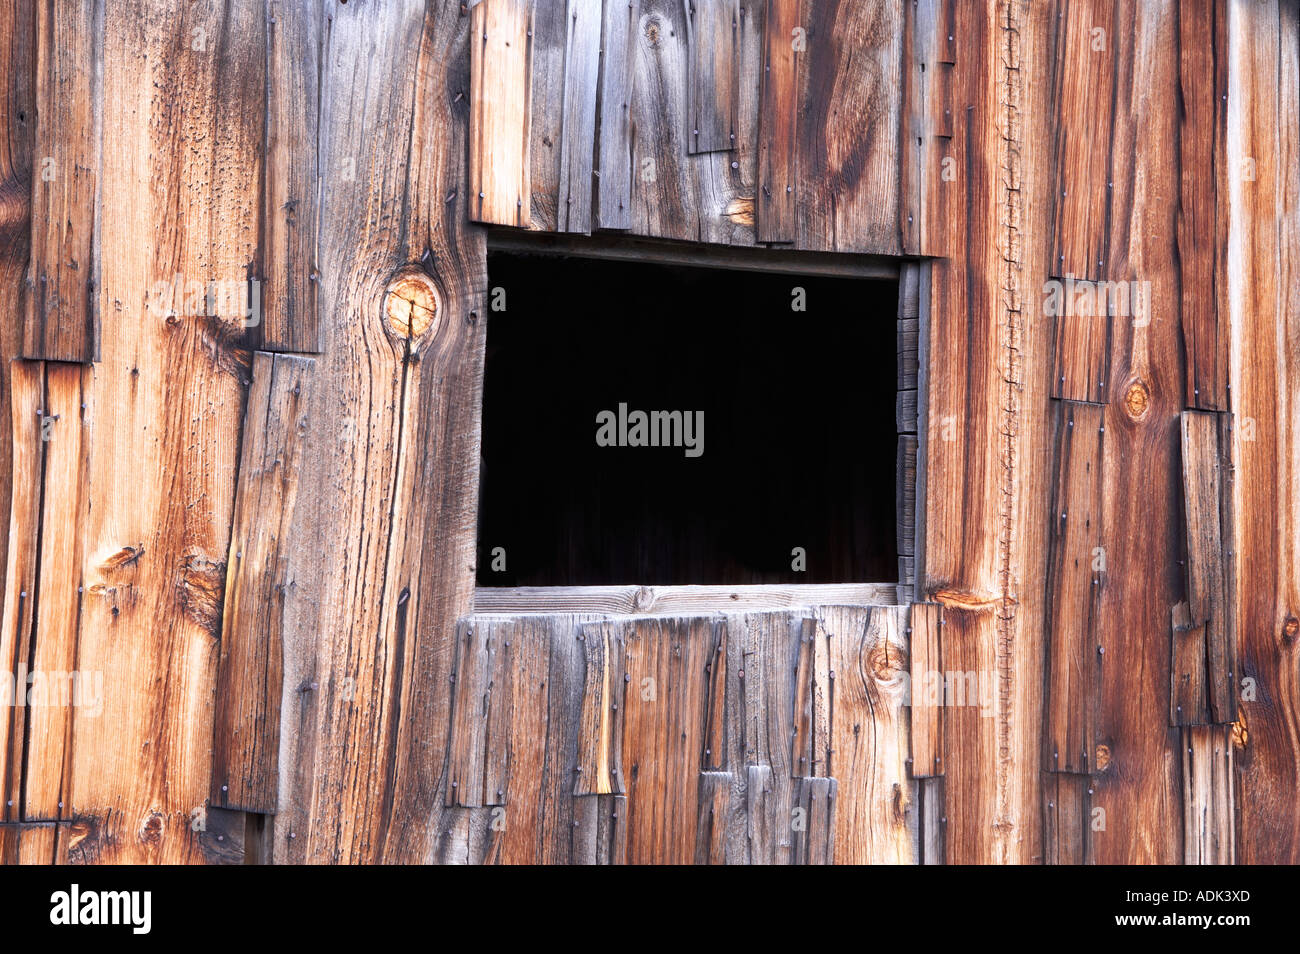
799	427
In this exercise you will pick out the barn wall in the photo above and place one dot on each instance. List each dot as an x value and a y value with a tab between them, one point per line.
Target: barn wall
261	532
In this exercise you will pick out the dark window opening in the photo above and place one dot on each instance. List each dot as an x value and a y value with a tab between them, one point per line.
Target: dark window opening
798	438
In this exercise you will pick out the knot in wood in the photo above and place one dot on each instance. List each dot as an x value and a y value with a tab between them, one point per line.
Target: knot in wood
1102	758
1136	400
412	304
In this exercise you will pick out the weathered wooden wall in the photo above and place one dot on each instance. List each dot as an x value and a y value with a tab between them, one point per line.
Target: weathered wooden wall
260	530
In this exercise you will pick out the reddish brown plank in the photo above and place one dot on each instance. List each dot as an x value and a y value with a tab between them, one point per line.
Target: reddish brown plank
1076	577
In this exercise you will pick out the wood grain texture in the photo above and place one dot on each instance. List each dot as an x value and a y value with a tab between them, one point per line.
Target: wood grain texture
1067	819
26	394
291	200
777	201
261	576
600	729
393	451
618	37
1203	200
1085	81
600	830
29	844
716	841
1139	789
1188	703
875	819
58	691
1208	509
1264	256
1083	323
62	317
925	655
183	121
17	119
713	75
478	746
663	733
674	600
1209	813
706	197
564	78
811	741
1075	588
500	70
814	821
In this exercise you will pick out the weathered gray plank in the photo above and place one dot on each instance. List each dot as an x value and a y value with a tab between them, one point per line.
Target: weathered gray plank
713	97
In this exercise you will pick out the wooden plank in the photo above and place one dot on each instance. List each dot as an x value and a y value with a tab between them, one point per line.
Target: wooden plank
849	126
26	403
291	202
810	750
500	70
1203	209
62	320
777	201
57	688
931	820
905	411
1209	814
578	142
875	820
814	821
713	97
163	409
261	578
1264	138
971	740
673	600
925	655
531	766
17	119
470	837
393	449
599	830
1075	587
481	719
1188	704
1211	561
28	844
1084	82
600	727
905	491
1139	790
1067	837
767	818
1082	315
705	197
664	732
714	830
618	41
210	836
564	79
